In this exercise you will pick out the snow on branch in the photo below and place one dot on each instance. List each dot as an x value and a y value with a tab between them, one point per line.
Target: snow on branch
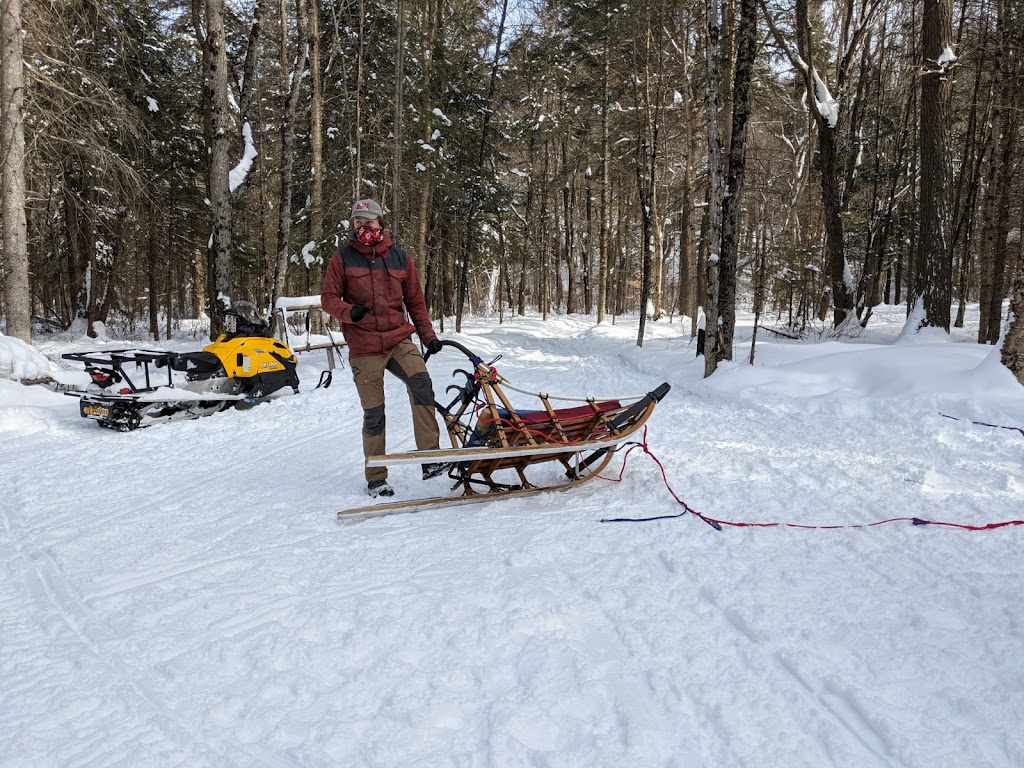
237	176
827	107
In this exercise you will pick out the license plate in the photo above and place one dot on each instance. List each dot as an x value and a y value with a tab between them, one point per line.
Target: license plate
94	410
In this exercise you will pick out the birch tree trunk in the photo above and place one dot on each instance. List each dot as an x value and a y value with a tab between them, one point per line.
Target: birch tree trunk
220	268
713	235
17	295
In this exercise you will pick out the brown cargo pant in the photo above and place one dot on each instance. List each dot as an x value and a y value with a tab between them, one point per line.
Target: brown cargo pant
405	362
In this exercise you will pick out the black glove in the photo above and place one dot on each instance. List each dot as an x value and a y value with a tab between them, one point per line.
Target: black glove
434	346
359	311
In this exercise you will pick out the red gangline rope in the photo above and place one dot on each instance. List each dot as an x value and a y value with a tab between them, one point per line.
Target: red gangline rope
717	524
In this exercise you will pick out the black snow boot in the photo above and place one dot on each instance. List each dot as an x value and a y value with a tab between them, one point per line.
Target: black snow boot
379	488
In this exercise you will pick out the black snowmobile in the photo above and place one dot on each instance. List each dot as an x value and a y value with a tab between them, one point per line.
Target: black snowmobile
243	367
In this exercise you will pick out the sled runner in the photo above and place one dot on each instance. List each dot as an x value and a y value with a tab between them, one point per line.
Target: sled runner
134	388
495	444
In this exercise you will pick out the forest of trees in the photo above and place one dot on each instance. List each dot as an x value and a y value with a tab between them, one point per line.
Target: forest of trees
803	159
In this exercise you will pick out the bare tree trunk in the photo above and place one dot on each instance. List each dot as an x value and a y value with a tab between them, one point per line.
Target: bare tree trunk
731	206
687	268
1013	345
357	175
220	268
474	201
316	145
647	103
431	15
17	295
934	259
968	180
396	175
759	289
171	252
605	221
996	224
154	302
713	236
292	87
588	248
542	241
568	193
687	264
997	205
826	119
92	276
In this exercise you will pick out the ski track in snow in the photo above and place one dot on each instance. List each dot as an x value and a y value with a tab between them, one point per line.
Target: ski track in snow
182	595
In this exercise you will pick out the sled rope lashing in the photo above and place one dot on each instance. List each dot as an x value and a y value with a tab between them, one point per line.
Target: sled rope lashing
717	524
550	426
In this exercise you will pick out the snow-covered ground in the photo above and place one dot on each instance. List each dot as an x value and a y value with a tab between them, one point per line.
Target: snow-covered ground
183	595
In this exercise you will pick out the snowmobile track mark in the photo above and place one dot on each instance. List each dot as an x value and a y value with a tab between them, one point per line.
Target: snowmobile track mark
116	586
833	704
86	627
841	709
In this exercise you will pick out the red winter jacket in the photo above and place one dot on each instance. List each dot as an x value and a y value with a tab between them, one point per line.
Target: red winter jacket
384	277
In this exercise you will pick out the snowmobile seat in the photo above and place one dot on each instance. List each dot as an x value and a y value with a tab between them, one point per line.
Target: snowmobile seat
198	364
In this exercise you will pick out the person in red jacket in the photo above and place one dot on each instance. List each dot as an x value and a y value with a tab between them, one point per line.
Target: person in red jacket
368	286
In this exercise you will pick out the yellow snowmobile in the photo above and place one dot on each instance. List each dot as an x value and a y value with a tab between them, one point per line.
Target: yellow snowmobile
243	367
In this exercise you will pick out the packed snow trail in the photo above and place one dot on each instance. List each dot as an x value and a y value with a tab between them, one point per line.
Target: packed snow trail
182	595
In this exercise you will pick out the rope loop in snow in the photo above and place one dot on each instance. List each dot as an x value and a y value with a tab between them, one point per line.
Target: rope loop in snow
717	524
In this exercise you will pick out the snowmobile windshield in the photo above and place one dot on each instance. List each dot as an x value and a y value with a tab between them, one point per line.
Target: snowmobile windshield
249	320
247	313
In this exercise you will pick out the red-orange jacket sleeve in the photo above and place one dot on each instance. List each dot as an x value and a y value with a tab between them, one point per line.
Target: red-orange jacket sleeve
333	289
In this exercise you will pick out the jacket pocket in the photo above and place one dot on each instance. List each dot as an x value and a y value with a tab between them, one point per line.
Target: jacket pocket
395	296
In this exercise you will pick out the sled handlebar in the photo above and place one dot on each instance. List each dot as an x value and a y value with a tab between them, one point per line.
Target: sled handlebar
473	357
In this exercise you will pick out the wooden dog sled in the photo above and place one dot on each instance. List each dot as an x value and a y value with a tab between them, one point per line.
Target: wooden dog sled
498	449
